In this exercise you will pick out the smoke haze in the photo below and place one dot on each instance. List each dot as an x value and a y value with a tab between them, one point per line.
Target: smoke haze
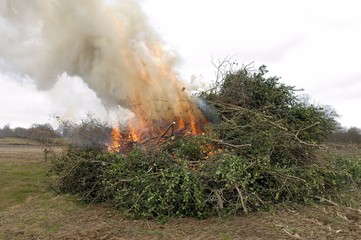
111	47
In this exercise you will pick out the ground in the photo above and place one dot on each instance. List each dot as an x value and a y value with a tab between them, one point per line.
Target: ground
30	209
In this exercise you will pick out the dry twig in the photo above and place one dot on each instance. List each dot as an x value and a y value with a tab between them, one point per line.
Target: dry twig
241	198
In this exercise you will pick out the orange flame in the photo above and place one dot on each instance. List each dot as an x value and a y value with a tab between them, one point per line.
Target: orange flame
116	137
155	94
140	130
133	136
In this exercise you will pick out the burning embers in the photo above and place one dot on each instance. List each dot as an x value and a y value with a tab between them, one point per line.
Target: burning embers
141	130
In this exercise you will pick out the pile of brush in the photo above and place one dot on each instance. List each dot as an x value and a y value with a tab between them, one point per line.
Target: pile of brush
262	149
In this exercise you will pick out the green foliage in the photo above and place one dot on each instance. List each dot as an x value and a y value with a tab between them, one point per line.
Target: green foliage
168	181
153	184
351	169
263	152
80	171
254	91
321	118
268	114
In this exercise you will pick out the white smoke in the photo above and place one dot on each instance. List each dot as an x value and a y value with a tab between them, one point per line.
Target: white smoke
110	46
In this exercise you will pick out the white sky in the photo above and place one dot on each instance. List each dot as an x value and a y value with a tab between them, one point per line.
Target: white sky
314	45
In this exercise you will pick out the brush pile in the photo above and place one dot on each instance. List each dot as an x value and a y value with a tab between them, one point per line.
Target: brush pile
264	150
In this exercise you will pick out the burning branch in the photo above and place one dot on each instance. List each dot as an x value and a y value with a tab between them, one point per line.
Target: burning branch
171	126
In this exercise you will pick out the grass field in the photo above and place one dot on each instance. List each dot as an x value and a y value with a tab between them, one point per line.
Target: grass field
17	141
29	209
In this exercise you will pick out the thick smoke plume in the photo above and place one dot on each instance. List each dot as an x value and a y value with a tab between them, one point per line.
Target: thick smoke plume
109	45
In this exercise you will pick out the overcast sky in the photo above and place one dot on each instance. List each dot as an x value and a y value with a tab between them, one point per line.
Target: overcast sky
314	45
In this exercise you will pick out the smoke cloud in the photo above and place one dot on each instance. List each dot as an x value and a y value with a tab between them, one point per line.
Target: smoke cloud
111	46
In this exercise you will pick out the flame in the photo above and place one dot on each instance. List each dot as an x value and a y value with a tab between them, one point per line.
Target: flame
116	138
160	101
181	123
137	131
155	93
133	136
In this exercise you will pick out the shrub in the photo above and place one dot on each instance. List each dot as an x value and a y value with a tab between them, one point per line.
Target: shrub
153	184
81	171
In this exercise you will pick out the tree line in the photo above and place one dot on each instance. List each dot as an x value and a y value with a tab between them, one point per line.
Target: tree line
44	133
350	135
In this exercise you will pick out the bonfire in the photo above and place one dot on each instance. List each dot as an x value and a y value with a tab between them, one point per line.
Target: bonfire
166	161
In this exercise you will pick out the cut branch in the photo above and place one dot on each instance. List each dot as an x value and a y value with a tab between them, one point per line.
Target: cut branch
221	142
241	198
306	143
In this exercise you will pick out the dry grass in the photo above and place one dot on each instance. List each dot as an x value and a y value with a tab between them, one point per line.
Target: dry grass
17	141
27	207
